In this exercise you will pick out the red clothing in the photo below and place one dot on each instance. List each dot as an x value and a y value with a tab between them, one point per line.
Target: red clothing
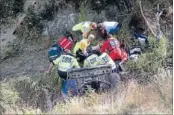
112	47
66	43
118	54
109	45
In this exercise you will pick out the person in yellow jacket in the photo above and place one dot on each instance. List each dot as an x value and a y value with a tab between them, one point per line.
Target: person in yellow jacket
92	59
80	48
65	62
84	28
106	59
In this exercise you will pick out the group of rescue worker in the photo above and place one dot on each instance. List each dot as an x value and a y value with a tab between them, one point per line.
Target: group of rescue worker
106	52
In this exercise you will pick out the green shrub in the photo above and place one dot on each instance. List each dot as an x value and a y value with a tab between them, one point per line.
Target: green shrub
148	63
8	94
32	27
33	20
11	50
10	8
82	13
49	11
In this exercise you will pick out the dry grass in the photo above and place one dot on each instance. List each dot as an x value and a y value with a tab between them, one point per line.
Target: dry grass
155	98
131	98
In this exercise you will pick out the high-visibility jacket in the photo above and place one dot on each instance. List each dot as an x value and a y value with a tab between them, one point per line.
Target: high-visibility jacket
66	62
83	44
106	59
92	60
83	27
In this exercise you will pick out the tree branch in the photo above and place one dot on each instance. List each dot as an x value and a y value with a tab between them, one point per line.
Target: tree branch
158	30
146	20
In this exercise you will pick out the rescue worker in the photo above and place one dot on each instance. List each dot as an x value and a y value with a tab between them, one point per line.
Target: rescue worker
92	59
65	62
112	47
80	48
84	28
54	52
109	27
106	59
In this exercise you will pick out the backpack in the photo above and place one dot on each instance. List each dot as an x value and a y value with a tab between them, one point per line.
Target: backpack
66	42
54	52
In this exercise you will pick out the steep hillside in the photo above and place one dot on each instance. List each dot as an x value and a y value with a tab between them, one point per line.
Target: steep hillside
29	28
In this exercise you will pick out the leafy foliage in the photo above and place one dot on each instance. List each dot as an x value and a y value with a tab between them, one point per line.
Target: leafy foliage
149	63
11	50
10	8
31	27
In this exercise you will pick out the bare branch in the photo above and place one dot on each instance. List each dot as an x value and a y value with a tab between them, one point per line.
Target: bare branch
158	30
146	20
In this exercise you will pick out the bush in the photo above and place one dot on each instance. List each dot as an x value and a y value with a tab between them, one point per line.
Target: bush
33	20
10	8
32	26
11	50
149	62
35	92
49	10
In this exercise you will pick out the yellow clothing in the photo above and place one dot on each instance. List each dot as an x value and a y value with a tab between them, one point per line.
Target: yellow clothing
83	44
83	27
77	47
66	62
106	59
92	61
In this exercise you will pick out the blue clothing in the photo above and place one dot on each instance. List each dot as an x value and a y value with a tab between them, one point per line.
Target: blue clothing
69	84
111	27
116	70
64	88
141	37
54	52
114	30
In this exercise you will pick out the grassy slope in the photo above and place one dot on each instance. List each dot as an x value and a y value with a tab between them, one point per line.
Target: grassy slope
131	97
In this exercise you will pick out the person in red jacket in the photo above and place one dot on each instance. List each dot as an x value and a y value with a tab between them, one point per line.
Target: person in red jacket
112	47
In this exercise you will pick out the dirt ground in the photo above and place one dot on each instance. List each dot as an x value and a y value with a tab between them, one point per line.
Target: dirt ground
32	61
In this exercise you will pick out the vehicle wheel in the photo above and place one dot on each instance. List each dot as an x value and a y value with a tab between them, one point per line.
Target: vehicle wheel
113	79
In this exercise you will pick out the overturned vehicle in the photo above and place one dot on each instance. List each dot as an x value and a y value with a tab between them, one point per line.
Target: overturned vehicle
99	78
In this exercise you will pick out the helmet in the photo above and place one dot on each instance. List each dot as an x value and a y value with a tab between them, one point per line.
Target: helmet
91	37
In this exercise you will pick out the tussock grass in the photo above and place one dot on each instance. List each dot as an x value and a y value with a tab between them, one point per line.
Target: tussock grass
131	98
25	95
